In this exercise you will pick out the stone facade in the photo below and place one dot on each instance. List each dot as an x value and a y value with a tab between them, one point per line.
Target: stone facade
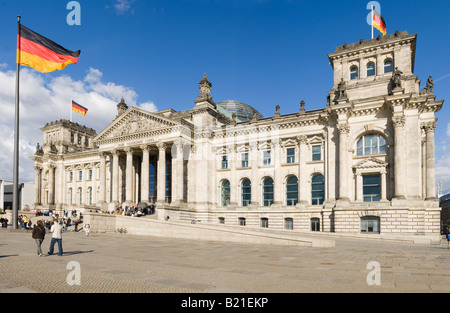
362	164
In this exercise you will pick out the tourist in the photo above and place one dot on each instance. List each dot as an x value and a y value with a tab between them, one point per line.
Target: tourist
56	238
87	229
38	235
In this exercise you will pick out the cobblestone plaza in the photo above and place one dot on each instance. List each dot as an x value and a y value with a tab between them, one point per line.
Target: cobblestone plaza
122	263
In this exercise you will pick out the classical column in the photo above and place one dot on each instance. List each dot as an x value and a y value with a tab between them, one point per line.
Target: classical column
145	173
177	172
253	162
115	177
430	163
302	175
129	176
102	189
278	179
359	186
161	194
343	166
232	165
383	185
37	182
399	181
51	184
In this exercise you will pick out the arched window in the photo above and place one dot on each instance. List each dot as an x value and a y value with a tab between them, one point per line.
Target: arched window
268	192
371	144
317	189
371	69
388	66
225	193
292	191
354	73
246	192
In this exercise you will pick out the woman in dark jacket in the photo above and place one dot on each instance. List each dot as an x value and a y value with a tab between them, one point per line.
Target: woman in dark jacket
39	235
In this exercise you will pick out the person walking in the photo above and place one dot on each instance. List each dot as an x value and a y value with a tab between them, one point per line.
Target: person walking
38	235
56	237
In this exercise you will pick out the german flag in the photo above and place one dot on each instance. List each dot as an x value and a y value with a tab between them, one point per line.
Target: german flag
378	22
41	53
78	108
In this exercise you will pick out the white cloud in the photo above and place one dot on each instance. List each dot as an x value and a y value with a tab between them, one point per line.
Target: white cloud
448	129
122	6
443	172
44	100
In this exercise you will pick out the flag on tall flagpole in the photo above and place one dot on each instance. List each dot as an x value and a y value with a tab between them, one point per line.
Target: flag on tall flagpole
378	22
42	54
79	108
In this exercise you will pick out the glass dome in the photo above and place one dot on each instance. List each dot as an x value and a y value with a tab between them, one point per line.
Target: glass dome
244	112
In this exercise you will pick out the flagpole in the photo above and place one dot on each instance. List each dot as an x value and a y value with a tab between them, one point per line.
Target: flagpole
371	7
16	138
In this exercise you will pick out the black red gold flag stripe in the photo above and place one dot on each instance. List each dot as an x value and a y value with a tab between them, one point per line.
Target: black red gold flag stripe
41	53
378	22
78	108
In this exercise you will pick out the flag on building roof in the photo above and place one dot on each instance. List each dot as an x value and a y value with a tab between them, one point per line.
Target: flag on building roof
378	22
79	108
41	53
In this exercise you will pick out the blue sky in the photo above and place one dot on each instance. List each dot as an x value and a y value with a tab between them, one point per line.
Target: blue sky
154	53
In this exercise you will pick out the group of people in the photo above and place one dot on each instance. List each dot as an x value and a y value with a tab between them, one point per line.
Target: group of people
135	210
56	227
39	233
4	222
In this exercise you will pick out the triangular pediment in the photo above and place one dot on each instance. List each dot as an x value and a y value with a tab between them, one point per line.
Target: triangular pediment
370	163
134	121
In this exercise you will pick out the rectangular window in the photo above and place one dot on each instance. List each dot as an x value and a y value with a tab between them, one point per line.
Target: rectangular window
370	224
372	188
71	176
224	162
288	223
290	155
80	175
316	153
264	222
242	221
266	158
315	224
244	161
90	174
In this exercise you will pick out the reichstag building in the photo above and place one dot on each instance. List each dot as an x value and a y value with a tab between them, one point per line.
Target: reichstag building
364	163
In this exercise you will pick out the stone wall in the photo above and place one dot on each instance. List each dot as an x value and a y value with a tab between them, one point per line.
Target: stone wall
106	223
